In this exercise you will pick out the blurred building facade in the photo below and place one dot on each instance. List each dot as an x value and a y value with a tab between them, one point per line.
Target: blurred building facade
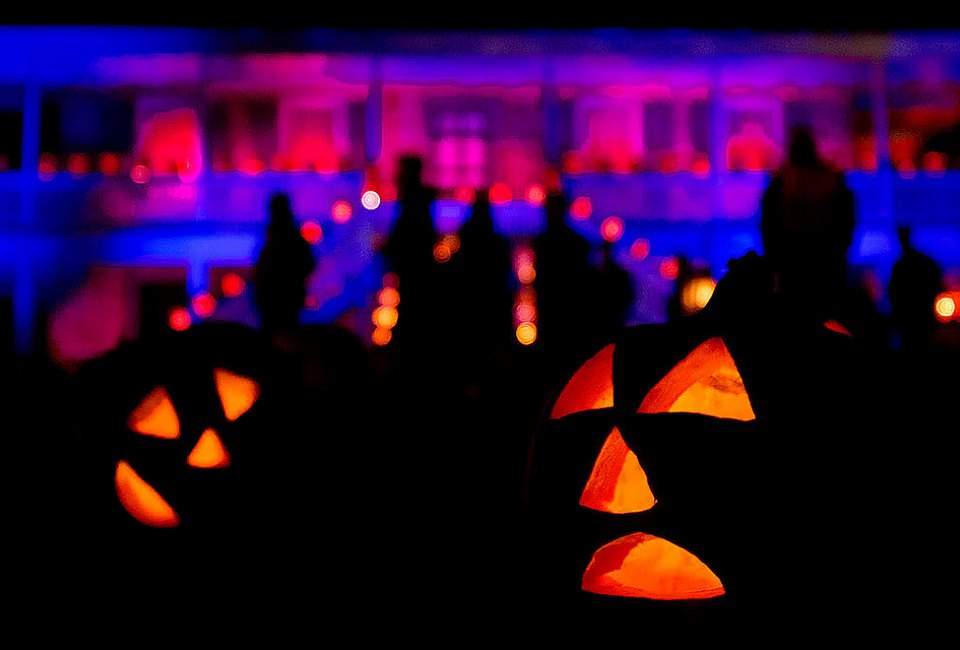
136	163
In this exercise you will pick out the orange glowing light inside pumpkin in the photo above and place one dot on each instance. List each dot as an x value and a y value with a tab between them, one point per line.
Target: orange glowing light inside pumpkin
141	500
237	393
645	566
617	483
706	381
209	452
155	416
591	387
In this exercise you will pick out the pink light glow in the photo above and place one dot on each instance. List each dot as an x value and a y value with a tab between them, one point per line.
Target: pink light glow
179	319
612	229
640	249
341	211
312	232
669	268
536	195
581	208
139	174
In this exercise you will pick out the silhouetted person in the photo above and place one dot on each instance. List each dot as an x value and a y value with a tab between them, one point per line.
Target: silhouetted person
481	296
283	266
615	294
562	284
408	252
806	224
915	282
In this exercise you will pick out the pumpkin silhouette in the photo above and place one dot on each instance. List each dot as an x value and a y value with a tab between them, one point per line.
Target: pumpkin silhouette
683	473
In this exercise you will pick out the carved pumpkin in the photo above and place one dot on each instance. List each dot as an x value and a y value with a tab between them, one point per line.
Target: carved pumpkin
681	471
190	461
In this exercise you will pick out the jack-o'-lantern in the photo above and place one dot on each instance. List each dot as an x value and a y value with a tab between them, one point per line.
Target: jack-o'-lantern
677	473
186	441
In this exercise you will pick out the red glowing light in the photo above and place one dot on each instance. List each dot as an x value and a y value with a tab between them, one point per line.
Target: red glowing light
178	319
78	163
465	194
581	208
934	161
536	195
203	304
500	193
140	174
232	285
370	200
640	249
700	165
252	166
391	279
47	165
612	229
311	231
109	163
669	268
341	211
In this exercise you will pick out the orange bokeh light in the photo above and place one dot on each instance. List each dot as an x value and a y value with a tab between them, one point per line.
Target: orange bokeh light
945	307
341	211
527	333
388	297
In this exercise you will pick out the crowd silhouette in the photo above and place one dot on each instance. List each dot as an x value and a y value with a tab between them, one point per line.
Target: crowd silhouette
364	480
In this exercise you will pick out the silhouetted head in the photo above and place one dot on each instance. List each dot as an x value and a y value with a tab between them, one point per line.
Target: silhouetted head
409	173
281	214
480	214
903	234
803	147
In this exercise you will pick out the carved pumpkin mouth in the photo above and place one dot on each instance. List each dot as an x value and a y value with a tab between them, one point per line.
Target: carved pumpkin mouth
706	382
156	417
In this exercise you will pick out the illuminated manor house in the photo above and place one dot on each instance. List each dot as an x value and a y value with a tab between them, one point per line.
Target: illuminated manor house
136	163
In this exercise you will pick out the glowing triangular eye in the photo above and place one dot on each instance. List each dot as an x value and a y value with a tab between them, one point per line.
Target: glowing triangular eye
209	452
591	387
141	500
237	393
155	416
645	566
617	483
706	381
